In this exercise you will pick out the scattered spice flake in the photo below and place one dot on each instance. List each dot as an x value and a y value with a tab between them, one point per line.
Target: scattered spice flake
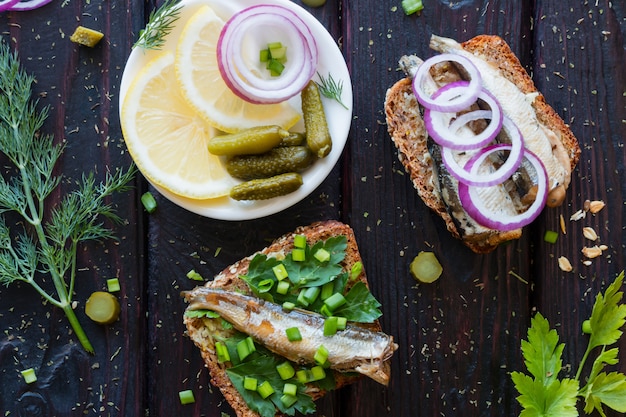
562	223
565	264
579	215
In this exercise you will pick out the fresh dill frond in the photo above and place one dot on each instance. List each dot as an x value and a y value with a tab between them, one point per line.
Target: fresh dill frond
47	243
331	89
160	24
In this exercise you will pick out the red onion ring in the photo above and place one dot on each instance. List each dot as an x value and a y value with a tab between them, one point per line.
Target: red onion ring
474	206
251	86
452	104
446	135
25	5
499	175
7	4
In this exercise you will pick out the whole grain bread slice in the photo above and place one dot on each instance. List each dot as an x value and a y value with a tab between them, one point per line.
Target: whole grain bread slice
407	131
203	331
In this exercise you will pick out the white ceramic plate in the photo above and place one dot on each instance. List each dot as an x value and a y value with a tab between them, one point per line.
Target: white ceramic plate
331	61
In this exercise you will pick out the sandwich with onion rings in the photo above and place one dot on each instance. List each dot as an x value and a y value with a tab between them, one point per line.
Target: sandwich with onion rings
482	147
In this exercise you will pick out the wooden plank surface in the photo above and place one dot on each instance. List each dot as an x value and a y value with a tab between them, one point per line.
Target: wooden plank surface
459	338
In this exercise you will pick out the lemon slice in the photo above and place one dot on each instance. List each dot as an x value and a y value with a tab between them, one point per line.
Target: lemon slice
166	137
202	85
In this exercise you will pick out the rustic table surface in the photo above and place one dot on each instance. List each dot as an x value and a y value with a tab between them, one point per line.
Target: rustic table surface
459	337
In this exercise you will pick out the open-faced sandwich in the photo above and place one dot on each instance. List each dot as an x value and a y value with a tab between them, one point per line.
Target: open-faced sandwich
482	147
280	328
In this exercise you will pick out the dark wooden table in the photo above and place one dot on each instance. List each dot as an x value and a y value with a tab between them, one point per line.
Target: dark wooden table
459	338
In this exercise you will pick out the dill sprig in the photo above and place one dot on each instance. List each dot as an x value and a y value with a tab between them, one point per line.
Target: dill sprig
160	24
331	89
48	244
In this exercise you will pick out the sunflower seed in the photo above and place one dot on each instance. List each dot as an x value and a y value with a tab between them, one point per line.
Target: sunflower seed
590	234
565	264
592	252
595	206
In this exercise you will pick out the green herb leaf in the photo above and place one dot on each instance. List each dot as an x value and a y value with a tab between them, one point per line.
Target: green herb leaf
160	24
542	353
557	399
331	89
197	314
262	366
607	389
312	272
48	242
607	316
361	306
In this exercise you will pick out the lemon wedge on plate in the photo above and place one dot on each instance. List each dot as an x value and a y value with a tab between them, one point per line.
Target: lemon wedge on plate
202	85
166	137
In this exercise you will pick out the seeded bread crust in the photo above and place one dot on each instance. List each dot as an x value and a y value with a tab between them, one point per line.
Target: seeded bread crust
202	331
407	130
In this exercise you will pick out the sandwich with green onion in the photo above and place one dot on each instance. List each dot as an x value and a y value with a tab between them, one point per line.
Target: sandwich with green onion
280	328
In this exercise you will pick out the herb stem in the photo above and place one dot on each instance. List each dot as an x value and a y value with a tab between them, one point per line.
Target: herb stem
582	363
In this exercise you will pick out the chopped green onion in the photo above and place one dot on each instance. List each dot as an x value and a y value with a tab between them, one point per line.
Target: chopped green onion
321	355
245	347
264	55
186	397
282	287
280	272
342	322
412	6
276	67
274	45
265	389
266	285
250	383
311	294
356	270
335	301
327	290
302	299
299	241
288	306
148	201
293	334
298	255
288	400
551	236
325	311
303	376
322	255
587	327
194	275
285	370
113	285
317	373
222	352
290	389
330	326
29	375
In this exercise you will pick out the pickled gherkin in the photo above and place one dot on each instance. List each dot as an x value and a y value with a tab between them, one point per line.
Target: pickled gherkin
266	188
294	139
255	140
317	135
277	161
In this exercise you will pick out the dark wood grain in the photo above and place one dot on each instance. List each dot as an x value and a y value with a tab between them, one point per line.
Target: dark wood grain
459	338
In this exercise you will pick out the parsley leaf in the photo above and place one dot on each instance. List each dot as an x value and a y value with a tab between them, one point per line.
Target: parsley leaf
262	366
542	353
607	316
543	394
311	272
361	306
608	389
